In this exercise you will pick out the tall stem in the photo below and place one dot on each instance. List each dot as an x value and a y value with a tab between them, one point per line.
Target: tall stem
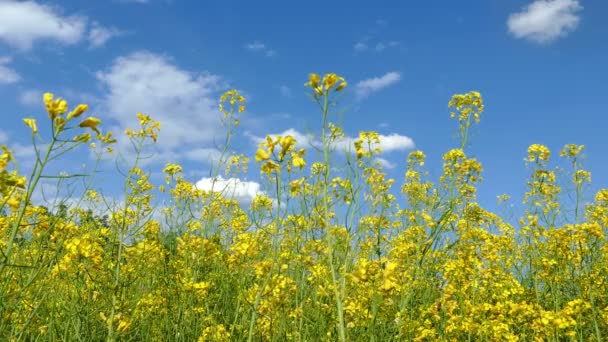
334	276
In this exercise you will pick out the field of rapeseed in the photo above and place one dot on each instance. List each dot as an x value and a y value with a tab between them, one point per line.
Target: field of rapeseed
332	255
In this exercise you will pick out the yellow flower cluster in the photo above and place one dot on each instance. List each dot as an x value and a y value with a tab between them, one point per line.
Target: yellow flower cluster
285	146
323	86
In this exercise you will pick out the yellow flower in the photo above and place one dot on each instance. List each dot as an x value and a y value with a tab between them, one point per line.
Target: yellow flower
538	152
31	123
81	108
329	80
172	169
297	159
90	122
261	155
314	80
54	107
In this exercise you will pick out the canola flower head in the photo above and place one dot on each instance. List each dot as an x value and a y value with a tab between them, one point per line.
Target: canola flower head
321	86
538	152
466	106
90	122
54	107
31	123
78	111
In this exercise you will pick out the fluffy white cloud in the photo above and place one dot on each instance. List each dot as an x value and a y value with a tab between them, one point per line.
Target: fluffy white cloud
24	22
99	35
242	191
395	142
183	101
388	143
544	21
3	137
366	87
7	75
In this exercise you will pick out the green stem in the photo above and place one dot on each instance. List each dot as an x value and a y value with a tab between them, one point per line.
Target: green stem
334	276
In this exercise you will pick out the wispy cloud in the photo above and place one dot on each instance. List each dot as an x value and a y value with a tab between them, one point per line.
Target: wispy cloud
372	85
134	1
7	75
259	47
544	21
375	40
31	97
385	163
380	46
100	35
360	46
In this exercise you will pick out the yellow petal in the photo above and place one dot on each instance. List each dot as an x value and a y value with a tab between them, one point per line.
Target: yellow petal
31	123
90	122
261	155
81	108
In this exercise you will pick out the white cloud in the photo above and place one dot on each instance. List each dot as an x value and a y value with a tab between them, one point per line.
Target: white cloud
302	140
3	137
385	163
183	101
24	154
366	87
99	35
395	142
24	22
7	75
31	97
242	191
360	46
206	155
258	46
543	21
388	143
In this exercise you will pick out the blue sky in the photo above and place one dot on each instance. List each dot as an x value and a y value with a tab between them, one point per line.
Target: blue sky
540	66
